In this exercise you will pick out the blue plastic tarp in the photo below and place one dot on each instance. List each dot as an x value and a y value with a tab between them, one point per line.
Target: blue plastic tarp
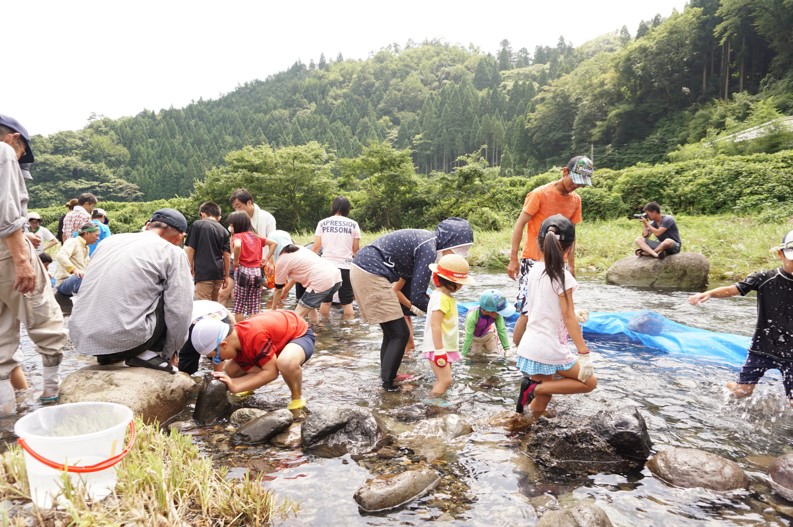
657	332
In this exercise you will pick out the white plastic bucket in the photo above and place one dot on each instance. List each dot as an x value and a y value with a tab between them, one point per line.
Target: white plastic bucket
84	439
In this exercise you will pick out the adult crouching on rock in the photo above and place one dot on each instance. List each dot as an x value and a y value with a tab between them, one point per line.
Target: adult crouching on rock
136	299
381	268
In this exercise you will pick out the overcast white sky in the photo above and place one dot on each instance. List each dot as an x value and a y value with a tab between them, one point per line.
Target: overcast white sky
69	59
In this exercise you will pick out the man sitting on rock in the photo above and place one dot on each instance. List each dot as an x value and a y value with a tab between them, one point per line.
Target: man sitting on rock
136	300
663	227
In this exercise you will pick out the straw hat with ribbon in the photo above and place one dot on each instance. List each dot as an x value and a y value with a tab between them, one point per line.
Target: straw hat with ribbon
453	268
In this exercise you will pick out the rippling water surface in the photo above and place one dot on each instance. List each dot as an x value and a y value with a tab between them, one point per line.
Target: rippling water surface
487	479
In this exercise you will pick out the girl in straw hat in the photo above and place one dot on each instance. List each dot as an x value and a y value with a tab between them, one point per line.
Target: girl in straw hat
441	339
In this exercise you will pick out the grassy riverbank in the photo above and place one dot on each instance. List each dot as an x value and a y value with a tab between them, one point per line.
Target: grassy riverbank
164	480
735	246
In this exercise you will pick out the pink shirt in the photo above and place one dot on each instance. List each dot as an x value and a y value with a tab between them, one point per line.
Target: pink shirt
307	268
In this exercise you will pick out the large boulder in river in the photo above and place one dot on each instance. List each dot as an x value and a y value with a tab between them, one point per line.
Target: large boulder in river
582	515
394	490
614	441
338	430
153	395
690	468
781	472
686	271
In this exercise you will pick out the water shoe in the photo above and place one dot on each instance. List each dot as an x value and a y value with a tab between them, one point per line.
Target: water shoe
526	395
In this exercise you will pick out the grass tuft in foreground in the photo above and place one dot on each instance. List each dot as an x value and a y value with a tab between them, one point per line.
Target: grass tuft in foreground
164	480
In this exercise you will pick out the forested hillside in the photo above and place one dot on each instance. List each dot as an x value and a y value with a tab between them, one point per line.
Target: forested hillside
714	69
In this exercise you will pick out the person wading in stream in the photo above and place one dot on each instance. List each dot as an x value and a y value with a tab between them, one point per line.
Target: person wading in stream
543	352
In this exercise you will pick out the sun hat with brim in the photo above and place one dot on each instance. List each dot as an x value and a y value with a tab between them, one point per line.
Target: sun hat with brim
581	170
786	247
453	268
34	216
493	301
207	334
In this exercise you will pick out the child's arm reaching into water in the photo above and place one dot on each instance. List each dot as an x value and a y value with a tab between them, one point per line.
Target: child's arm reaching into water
574	330
719	292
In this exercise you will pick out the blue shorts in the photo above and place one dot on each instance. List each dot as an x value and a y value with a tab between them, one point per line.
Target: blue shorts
756	365
530	367
306	342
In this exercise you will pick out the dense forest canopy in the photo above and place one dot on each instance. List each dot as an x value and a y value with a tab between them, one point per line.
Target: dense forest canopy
436	112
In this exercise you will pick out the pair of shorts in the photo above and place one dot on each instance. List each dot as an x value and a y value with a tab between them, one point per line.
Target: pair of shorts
313	299
377	300
756	365
530	367
523	278
345	292
306	342
672	250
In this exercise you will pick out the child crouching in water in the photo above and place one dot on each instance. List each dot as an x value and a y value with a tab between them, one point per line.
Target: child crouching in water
441	336
479	322
772	343
543	350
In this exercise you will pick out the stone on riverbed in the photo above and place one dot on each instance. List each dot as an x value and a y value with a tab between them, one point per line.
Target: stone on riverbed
263	428
684	271
613	441
690	468
781	472
152	395
212	403
243	415
583	515
338	430
390	491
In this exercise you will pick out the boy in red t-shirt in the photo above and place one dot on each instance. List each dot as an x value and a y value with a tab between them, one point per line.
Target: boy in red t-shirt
250	346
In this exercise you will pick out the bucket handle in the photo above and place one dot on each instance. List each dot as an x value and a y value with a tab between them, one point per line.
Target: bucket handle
102	465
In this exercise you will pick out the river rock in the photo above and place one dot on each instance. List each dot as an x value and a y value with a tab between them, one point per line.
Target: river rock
335	431
242	415
394	490
686	271
447	427
690	468
153	395
212	403
288	438
263	428
583	515
613	441
781	472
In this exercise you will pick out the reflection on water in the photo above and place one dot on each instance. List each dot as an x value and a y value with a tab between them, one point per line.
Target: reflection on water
486	478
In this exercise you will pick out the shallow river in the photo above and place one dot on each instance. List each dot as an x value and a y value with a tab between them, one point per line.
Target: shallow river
487	479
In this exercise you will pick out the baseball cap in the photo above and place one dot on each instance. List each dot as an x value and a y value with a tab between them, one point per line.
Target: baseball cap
34	216
10	122
787	246
172	218
493	300
581	170
98	212
207	334
557	223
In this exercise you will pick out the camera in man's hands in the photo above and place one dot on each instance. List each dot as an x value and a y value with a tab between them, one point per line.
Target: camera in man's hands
641	216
